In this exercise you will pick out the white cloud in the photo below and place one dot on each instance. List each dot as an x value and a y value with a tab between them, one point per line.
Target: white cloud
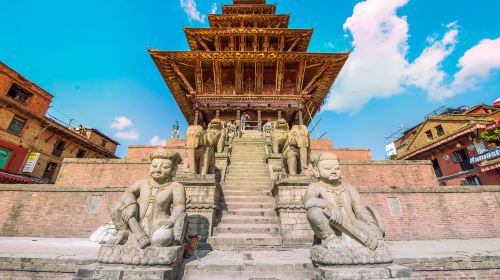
378	66
426	71
121	123
329	45
132	134
214	8
156	141
191	10
375	67
477	64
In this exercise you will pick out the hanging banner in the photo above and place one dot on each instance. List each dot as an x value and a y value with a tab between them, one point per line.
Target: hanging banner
31	162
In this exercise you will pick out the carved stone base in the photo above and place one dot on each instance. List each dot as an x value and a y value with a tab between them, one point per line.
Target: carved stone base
118	272
119	254
363	272
349	255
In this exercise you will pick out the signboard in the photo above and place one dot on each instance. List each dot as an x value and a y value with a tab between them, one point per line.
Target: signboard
31	163
390	150
490	154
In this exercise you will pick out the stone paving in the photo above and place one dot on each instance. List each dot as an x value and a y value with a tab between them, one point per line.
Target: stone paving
81	248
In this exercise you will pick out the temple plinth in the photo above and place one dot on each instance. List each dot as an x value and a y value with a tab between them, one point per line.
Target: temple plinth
248	60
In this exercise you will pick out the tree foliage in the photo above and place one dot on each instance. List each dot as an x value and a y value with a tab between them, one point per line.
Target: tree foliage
491	135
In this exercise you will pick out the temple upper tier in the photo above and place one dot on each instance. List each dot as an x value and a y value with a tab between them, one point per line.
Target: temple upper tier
249	60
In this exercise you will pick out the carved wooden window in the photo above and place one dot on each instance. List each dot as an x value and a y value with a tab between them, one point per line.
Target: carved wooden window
16	125
18	94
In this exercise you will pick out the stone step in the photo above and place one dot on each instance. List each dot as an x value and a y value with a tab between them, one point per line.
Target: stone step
245	192
248	169
247	164
255	265
232	241
246	187
248	179
255	199
237	174
248	205
243	228
237	219
238	272
250	212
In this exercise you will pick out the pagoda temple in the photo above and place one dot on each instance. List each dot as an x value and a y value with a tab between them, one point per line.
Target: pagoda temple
249	61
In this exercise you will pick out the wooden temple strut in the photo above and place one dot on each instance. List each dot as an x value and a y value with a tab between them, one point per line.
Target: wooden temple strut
185	82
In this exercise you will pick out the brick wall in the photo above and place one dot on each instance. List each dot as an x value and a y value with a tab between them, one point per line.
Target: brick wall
46	210
143	151
388	173
103	172
426	213
352	154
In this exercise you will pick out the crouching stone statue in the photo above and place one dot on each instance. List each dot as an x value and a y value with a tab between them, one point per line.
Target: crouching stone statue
346	231
154	212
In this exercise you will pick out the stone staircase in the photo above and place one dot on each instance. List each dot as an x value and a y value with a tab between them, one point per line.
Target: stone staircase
249	220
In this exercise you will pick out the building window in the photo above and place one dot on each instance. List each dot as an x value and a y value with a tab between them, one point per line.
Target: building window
429	135
462	158
49	171
439	130
103	143
16	125
471	181
18	94
437	168
58	148
4	157
80	154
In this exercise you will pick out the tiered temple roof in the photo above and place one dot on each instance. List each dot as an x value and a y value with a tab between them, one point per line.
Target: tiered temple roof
249	60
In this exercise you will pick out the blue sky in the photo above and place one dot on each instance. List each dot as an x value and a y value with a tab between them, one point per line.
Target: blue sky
408	58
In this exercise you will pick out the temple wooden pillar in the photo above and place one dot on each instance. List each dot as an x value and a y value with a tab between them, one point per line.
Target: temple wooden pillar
259	120
238	115
301	119
196	113
279	114
217	113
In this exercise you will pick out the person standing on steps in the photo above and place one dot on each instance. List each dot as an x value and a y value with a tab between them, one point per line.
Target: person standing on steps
243	122
175	130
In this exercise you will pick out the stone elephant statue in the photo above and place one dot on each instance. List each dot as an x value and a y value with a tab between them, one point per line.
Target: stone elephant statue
295	155
200	154
279	135
217	134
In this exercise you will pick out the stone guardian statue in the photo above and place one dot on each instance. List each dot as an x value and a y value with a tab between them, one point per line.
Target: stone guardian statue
346	231
152	210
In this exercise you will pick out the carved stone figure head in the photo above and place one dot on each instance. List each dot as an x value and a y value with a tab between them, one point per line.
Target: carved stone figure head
326	167
280	124
215	124
164	164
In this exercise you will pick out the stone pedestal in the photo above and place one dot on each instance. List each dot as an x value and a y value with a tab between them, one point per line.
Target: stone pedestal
221	162
275	164
203	193
289	192
124	272
350	254
117	262
362	272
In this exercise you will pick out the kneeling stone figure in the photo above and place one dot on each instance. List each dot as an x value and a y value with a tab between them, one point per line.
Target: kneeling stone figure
346	231
154	211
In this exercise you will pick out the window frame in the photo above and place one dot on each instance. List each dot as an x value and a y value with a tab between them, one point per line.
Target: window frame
439	128
18	92
429	135
18	118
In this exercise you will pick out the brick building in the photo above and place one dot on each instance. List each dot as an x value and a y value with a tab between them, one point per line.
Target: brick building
456	143
32	145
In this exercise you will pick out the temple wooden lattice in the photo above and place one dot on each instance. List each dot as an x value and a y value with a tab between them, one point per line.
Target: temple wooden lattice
248	60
